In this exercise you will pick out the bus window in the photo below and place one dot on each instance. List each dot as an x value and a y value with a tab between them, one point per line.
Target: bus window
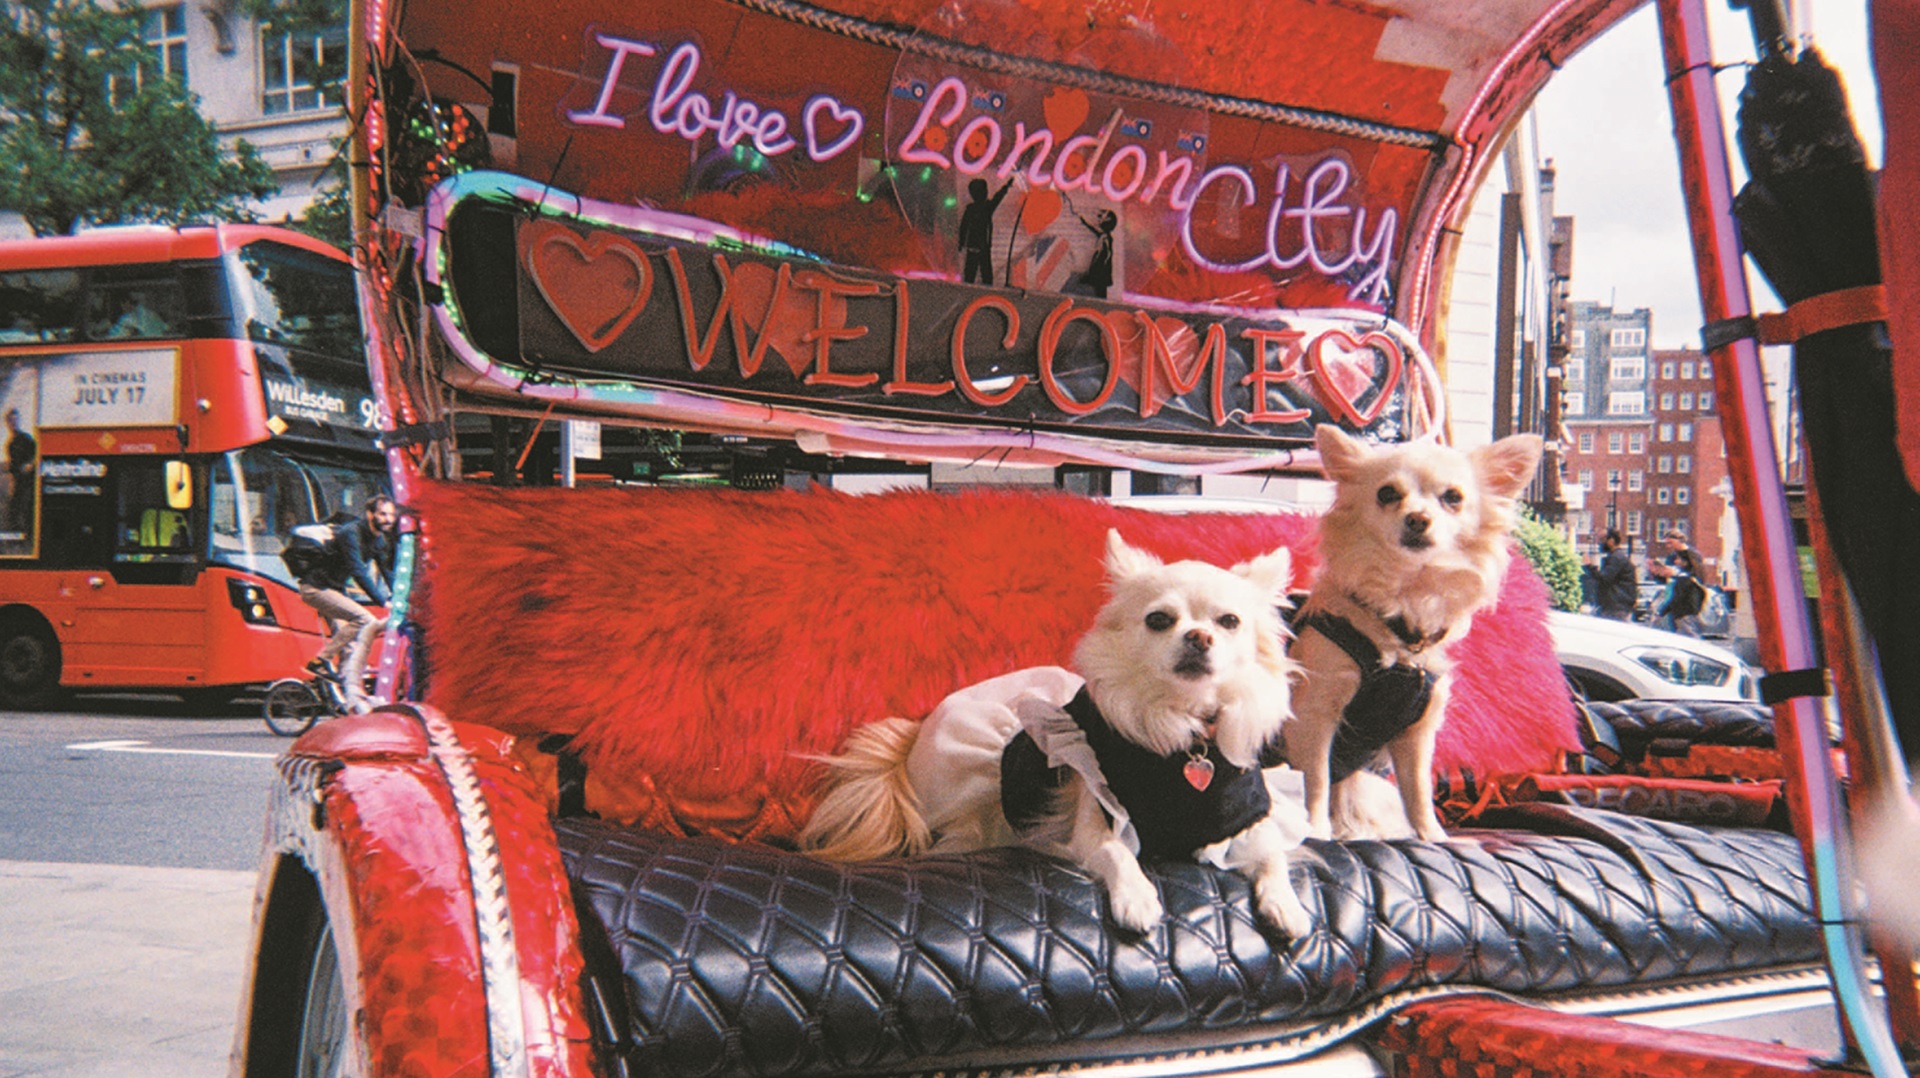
151	531
39	306
299	299
132	303
77	510
259	494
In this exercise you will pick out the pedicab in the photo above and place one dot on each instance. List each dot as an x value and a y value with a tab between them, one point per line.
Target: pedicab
1151	240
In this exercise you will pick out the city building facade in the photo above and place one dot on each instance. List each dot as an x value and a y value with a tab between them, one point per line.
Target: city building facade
1607	421
253	83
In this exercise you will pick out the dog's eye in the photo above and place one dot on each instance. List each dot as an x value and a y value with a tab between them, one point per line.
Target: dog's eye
1389	495
1452	498
1159	621
1228	621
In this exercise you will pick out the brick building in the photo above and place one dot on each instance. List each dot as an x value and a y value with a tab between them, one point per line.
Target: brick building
1688	459
1608	422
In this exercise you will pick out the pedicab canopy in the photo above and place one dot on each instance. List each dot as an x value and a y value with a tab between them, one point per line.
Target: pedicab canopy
1167	234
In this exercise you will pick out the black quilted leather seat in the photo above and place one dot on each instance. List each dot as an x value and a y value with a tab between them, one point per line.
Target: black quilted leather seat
715	960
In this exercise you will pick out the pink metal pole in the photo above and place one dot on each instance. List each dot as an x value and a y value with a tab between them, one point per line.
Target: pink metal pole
1766	529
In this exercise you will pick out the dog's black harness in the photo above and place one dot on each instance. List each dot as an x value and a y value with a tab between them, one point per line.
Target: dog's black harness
1172	818
1389	699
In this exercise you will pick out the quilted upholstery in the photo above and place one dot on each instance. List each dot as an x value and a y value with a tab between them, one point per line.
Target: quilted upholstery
719	959
1639	723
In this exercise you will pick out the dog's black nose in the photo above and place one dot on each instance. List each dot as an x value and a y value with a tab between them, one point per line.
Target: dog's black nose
1416	523
1199	639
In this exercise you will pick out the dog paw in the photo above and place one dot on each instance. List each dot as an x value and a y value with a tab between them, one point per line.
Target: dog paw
1136	905
1429	830
1282	909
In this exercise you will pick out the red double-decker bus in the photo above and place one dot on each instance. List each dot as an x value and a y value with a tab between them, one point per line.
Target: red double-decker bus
174	401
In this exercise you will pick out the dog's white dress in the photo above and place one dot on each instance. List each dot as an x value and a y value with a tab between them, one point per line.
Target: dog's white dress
955	763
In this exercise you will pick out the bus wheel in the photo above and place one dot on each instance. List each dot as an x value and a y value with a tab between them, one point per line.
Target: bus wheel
29	662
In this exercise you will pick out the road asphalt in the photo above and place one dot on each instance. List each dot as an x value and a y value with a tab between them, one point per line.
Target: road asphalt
116	970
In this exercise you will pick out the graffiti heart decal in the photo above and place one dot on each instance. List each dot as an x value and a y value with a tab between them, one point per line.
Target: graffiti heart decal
1344	367
595	286
847	119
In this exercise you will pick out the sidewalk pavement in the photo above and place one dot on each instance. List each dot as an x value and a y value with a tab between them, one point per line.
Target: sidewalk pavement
115	970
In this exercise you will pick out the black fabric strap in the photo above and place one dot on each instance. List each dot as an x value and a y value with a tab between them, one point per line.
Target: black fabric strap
1344	636
415	434
1717	335
1792	684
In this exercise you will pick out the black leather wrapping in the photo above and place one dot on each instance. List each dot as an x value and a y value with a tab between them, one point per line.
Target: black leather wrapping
1639	723
717	959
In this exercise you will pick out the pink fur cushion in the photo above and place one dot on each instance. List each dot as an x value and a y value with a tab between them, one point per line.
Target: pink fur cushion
698	643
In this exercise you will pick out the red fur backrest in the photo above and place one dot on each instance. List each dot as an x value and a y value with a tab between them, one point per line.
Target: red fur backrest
698	644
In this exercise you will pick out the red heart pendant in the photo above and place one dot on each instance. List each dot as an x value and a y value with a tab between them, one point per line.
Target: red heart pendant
1199	772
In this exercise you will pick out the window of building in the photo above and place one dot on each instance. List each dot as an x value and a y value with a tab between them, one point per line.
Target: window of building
1613	479
1666	432
1634	403
1686	402
1636	480
1661	527
1684	465
1686	369
1615	441
290	71
1664	465
1682	495
1576	368
1576	402
1666	369
1586	478
1685	432
1666	402
1579	343
1633	522
1586	441
1637	441
1661	495
1627	368
1706	368
164	30
1628	339
1706	401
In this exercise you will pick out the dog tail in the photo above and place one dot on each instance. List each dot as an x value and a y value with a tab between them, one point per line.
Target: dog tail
869	809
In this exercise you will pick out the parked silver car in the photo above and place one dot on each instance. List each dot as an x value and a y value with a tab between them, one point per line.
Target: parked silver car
1621	660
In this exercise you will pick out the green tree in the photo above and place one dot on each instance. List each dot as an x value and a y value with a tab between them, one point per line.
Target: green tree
93	133
1552	556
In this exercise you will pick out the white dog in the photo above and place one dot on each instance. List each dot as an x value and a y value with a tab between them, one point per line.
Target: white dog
1158	755
1416	542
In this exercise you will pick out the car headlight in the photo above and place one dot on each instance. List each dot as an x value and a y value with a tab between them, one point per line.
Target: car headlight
1679	666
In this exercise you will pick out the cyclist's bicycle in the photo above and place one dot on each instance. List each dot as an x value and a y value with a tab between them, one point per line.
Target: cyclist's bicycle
293	705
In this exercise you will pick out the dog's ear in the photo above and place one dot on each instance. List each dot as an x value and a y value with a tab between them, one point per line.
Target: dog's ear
1507	466
1271	572
1125	560
1341	454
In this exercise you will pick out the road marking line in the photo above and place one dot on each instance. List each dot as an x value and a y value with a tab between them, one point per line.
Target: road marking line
142	746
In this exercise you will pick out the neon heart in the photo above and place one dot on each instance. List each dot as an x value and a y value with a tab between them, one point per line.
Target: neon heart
596	286
1340	383
845	115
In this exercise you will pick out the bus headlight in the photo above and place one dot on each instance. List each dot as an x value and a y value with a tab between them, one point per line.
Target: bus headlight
250	600
1679	666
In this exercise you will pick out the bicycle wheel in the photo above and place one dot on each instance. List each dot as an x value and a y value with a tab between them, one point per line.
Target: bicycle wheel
292	707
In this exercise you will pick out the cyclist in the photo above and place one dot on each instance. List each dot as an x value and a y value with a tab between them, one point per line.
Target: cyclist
361	551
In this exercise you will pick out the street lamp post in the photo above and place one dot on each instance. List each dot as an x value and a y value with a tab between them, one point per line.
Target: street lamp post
1613	502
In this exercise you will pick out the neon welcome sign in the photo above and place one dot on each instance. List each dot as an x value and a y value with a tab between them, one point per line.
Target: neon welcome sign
1303	217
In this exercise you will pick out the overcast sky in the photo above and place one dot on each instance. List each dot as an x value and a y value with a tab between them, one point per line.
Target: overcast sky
1604	121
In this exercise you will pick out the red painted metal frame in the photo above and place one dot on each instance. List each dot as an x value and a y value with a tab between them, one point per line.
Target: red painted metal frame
384	842
1786	640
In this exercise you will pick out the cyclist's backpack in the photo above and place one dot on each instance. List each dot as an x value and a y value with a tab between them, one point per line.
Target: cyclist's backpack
310	548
